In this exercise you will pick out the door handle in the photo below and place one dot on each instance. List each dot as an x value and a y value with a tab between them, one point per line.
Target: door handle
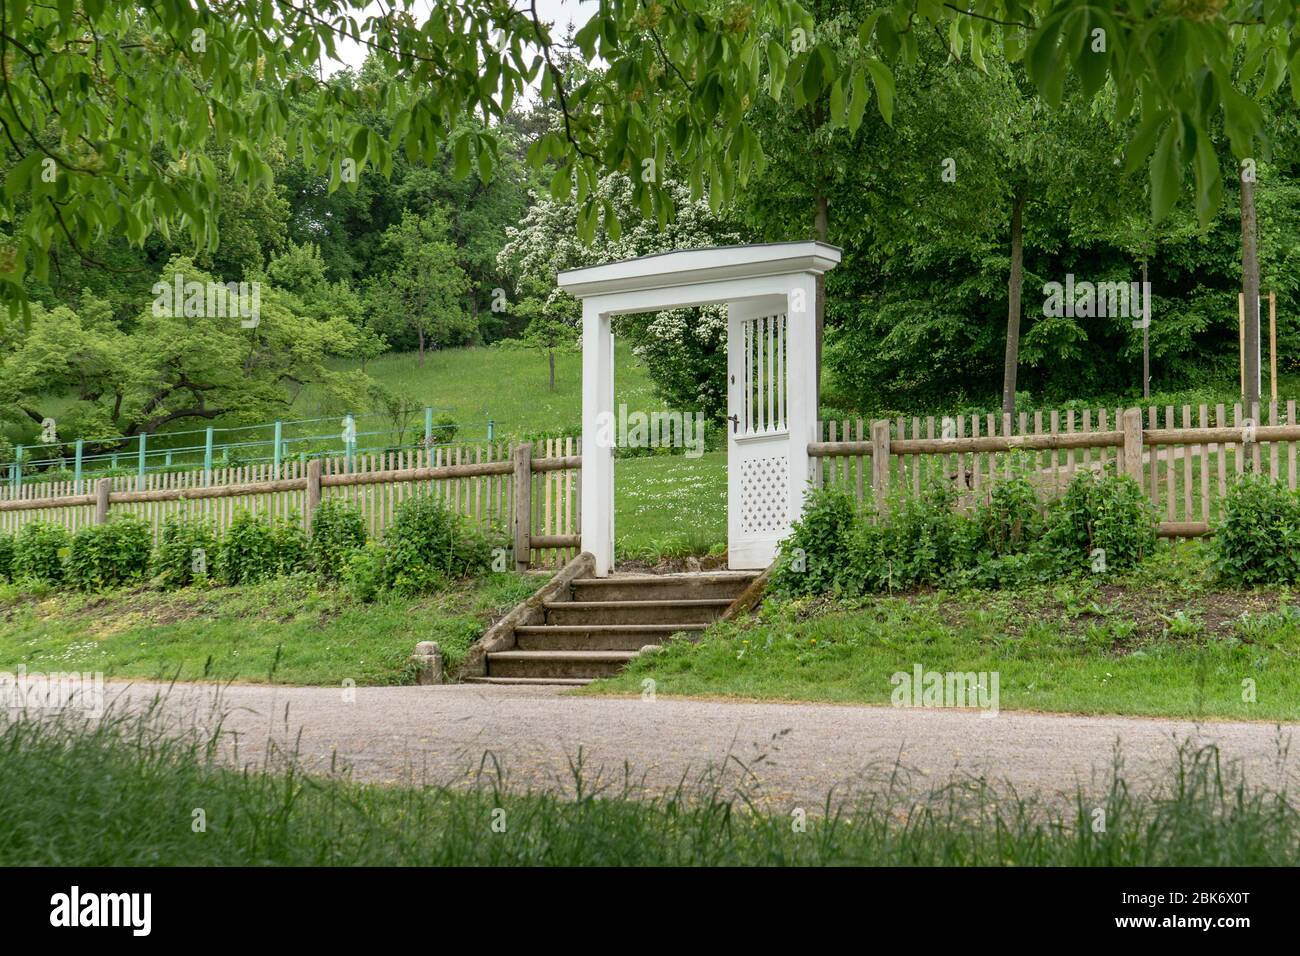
735	422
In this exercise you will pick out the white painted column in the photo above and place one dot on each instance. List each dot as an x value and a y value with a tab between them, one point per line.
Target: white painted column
801	342
598	437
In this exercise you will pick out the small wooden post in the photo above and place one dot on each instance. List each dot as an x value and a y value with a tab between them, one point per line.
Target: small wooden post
1272	343
102	489
313	491
880	463
522	457
1133	444
1241	339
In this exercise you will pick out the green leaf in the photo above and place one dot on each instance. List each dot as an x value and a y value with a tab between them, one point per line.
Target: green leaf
839	103
813	75
1043	59
1166	173
777	62
858	102
883	80
1144	140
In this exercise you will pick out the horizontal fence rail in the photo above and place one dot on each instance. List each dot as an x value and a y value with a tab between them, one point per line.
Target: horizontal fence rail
533	508
1183	458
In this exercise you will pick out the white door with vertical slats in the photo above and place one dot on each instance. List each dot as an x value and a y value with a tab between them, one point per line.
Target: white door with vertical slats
758	434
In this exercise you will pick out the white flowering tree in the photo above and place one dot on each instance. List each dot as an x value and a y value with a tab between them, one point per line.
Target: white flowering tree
685	349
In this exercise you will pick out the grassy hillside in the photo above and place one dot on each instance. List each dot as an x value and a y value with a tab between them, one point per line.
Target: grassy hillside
289	630
508	386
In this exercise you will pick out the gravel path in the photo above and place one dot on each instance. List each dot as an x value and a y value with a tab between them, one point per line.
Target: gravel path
781	754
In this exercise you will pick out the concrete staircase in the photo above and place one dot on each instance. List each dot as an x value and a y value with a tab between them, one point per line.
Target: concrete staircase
594	626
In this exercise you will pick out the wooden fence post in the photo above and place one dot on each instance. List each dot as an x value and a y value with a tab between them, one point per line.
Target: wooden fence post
102	488
1133	444
522	457
880	463
313	492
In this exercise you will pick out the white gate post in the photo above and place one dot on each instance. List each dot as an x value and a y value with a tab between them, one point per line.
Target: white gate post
801	400
598	437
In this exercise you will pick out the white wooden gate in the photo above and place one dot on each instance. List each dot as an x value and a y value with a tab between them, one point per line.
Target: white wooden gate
758	436
769	290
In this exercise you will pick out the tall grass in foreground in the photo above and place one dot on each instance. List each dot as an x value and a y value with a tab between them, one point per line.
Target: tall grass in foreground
128	791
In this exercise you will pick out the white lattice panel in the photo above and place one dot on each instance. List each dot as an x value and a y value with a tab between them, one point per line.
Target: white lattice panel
764	495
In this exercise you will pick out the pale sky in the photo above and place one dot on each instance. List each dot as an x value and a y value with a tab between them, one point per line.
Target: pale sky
557	12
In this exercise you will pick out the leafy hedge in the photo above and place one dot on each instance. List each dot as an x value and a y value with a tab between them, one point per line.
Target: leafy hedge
109	555
427	545
1101	523
1257	540
338	531
186	547
6	556
39	550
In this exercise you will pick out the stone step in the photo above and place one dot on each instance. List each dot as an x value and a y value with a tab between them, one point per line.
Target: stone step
663	587
655	611
549	664
602	637
532	681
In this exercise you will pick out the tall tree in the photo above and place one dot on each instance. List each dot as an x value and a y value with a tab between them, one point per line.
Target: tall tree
422	289
108	136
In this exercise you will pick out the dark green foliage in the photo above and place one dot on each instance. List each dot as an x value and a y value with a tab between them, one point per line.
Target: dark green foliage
444	430
1258	539
428	544
1009	522
337	532
39	551
363	575
811	558
926	541
185	550
922	537
248	551
6	556
1104	523
109	555
289	544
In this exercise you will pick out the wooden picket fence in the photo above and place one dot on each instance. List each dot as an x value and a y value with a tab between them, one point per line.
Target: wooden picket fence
1185	458
533	509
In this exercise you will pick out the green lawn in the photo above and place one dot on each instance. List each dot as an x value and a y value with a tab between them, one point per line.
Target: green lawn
670	505
1166	642
508	386
288	629
60	781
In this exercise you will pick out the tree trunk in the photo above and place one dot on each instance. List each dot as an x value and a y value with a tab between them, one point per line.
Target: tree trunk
1250	288
420	333
551	358
822	226
1146	336
1012	360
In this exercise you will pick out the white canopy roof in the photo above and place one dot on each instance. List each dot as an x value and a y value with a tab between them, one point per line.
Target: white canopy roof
692	266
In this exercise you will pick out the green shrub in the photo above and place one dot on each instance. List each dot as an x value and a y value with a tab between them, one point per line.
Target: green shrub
337	532
922	537
248	551
815	553
39	551
444	430
1101	523
1257	540
428	544
363	572
289	544
185	549
1009	522
109	555
6	557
